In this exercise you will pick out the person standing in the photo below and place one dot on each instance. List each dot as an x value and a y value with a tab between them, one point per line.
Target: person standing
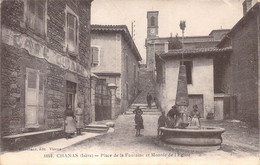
138	122
173	112
137	109
161	123
195	117
79	118
172	116
149	99
70	125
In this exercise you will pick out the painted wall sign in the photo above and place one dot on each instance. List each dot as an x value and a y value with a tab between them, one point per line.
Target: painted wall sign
39	50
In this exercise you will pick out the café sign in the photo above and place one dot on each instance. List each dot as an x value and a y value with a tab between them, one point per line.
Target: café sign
40	50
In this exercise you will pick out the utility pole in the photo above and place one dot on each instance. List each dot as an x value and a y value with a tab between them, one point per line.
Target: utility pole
132	29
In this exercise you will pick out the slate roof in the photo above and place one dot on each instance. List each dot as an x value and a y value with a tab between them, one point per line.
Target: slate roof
118	28
196	52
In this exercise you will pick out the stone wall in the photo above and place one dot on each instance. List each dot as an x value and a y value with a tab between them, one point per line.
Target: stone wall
241	71
16	59
130	75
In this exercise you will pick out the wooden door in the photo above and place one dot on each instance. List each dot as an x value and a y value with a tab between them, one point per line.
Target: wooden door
103	101
218	108
70	94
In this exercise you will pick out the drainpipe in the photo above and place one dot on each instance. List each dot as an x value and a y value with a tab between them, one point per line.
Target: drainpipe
258	82
1	134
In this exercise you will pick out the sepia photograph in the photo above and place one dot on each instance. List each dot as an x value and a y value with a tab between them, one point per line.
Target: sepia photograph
111	82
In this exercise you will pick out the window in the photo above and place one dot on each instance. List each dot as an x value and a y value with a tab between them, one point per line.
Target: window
95	51
35	17
188	65
126	64
126	88
34	99
152	21
134	72
72	31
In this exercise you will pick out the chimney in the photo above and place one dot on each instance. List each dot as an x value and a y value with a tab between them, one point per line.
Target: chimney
247	4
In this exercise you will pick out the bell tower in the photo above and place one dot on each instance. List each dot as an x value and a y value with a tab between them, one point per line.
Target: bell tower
152	24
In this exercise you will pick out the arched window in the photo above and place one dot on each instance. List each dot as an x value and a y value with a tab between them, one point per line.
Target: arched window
152	21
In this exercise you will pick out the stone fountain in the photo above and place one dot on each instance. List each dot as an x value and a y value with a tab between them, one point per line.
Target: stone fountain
182	133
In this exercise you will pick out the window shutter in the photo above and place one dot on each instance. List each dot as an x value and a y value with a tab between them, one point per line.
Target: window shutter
72	31
36	15
95	52
71	27
31	14
31	114
76	30
41	16
41	114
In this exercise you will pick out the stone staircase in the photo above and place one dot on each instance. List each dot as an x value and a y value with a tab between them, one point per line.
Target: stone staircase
146	110
146	84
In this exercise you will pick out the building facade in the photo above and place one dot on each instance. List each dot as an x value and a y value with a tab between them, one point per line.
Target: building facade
45	64
155	44
225	77
116	59
200	77
200	67
239	76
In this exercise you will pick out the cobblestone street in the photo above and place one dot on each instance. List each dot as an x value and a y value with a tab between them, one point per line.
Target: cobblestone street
239	142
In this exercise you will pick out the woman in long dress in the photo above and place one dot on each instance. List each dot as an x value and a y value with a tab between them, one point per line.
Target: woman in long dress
70	124
79	118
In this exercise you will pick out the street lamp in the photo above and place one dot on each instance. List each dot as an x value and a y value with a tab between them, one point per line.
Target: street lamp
182	27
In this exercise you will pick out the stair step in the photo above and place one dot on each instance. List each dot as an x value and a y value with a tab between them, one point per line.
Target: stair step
132	107
97	130
145	110
145	113
96	126
141	105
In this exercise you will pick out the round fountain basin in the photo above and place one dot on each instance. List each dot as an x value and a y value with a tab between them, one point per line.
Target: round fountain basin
191	136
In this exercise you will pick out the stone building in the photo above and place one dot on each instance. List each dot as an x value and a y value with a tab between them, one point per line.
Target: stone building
155	44
238	76
225	75
45	64
200	73
163	57
116	59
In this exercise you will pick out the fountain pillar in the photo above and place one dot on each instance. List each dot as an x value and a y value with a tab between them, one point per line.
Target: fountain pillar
182	99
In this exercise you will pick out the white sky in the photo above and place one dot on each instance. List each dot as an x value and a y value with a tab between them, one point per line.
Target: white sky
202	16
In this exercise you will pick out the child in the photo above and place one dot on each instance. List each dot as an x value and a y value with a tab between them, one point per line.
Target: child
138	122
161	123
79	118
195	117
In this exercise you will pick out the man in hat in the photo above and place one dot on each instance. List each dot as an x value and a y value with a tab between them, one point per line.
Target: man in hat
161	123
172	117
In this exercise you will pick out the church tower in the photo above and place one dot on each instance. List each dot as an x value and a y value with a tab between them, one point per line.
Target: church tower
152	24
152	32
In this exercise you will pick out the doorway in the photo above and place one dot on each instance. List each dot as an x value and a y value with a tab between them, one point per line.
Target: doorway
198	100
70	94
